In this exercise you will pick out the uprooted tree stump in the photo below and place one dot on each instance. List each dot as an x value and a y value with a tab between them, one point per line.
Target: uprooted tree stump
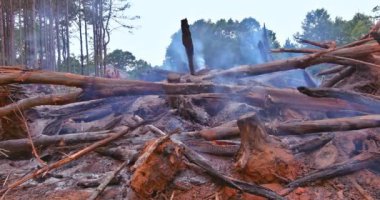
156	167
261	158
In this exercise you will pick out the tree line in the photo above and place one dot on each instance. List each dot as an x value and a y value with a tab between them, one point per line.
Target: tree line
39	33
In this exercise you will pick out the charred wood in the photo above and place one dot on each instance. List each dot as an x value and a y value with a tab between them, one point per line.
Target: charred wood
338	77
355	97
313	144
188	44
332	70
285	50
357	163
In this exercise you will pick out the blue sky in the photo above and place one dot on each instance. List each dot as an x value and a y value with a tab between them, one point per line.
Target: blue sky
161	18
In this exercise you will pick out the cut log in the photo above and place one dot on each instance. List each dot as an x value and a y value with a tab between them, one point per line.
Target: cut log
226	130
327	125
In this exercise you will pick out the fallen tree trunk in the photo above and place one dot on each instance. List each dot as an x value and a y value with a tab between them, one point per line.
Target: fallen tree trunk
267	97
357	163
53	99
327	125
324	56
94	88
355	97
23	145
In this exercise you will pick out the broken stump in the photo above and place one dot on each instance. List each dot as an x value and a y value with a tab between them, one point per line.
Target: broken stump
261	158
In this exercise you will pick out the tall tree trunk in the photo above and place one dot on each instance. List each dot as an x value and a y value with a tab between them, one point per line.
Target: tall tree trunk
21	17
106	33
56	19
95	36
101	38
80	37
68	37
10	34
51	37
2	38
40	37
86	38
34	34
64	50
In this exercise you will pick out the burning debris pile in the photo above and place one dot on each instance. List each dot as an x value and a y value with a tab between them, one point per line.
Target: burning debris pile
212	135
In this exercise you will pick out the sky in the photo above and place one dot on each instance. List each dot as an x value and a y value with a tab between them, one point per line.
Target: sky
160	19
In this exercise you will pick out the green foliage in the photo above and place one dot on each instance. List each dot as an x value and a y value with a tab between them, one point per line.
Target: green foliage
318	26
222	44
126	61
121	59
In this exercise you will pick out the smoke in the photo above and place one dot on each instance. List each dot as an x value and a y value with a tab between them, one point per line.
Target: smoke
221	45
228	43
176	58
